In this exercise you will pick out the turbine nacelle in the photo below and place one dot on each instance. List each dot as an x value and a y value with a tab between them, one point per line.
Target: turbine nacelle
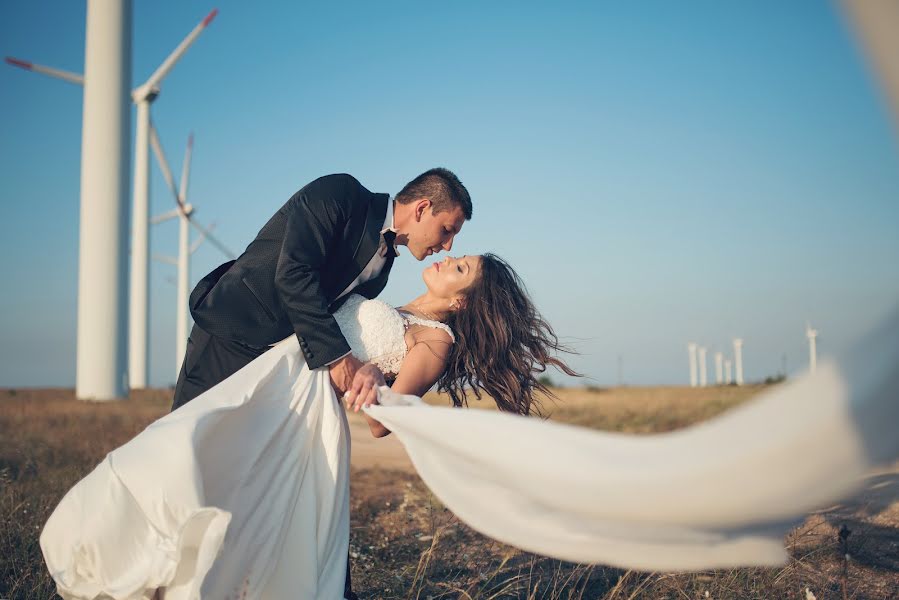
144	93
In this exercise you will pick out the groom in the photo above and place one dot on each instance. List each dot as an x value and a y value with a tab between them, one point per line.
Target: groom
331	238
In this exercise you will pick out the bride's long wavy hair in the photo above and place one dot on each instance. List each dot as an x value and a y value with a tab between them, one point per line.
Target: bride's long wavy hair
502	343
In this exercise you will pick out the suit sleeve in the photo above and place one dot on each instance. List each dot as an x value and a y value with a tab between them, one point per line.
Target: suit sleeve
313	226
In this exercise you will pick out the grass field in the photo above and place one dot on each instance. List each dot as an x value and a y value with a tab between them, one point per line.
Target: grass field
406	545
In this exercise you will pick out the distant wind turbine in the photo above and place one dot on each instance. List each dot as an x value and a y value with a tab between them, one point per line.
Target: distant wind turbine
738	360
703	379
691	348
812	335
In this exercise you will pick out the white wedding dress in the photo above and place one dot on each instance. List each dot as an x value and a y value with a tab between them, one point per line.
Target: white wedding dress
241	493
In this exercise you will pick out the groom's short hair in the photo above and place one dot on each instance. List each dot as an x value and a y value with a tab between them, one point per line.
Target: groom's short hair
441	187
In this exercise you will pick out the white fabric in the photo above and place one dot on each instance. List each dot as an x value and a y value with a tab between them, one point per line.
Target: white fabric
719	494
416	320
241	493
244	490
375	331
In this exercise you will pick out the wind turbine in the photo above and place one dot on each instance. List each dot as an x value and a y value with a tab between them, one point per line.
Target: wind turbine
691	348
812	335
184	212
719	375
703	379
143	96
101	363
101	359
738	360
727	371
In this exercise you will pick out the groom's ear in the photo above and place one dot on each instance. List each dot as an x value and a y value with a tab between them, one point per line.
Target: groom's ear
420	207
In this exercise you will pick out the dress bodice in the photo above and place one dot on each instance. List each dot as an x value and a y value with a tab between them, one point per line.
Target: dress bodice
376	332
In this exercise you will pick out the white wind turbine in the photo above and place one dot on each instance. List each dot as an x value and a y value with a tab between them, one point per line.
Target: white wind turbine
703	378
184	212
812	335
738	360
719	373
691	348
143	95
101	355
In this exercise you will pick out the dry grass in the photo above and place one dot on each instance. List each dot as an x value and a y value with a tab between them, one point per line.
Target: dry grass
406	545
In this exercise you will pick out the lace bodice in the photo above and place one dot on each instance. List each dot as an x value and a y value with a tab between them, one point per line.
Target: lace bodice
376	331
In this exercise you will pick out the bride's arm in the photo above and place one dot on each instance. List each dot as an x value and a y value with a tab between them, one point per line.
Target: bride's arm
422	366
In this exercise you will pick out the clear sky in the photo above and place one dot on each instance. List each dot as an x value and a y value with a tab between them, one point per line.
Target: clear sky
657	172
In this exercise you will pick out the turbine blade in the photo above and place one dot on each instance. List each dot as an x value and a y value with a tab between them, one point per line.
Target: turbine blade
212	239
200	238
164	165
57	73
169	62
185	169
165	259
165	216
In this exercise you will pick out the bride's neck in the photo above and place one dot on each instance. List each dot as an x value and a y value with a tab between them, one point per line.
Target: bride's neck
429	307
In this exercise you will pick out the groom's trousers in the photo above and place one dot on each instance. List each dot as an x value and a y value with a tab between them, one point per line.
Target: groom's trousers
209	360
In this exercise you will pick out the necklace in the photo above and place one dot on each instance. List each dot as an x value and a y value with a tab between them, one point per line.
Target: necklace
426	313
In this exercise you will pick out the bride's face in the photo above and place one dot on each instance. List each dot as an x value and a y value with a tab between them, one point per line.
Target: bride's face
451	276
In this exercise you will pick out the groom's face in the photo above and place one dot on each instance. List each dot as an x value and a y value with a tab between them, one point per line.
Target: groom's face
429	233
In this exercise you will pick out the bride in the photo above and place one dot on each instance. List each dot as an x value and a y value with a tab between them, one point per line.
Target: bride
244	491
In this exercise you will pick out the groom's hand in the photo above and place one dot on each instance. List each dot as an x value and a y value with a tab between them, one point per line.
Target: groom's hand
342	373
364	391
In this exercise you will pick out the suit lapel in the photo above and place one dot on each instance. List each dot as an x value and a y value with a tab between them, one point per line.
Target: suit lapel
368	242
373	287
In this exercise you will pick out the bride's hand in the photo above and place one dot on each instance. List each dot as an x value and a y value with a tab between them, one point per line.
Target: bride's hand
364	391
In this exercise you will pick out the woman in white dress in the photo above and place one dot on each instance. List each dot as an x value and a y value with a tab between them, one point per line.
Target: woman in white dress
243	492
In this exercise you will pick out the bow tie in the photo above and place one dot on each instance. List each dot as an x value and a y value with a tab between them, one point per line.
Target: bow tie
389	238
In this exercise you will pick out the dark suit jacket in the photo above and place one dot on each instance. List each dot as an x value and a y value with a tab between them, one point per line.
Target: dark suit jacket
289	276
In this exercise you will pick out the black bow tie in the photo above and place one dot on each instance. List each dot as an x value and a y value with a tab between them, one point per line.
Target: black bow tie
389	237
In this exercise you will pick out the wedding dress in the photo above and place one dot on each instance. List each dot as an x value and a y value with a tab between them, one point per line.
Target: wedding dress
722	493
241	493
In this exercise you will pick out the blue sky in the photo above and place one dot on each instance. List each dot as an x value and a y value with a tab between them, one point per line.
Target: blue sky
657	172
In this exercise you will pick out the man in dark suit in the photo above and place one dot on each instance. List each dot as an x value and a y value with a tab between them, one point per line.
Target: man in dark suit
331	238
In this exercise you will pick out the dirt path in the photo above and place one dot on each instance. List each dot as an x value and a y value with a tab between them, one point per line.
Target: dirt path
383	453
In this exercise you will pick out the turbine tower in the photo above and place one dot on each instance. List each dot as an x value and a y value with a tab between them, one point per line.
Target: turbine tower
812	335
727	371
101	363
142	96
703	380
184	212
691	348
719	375
738	360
